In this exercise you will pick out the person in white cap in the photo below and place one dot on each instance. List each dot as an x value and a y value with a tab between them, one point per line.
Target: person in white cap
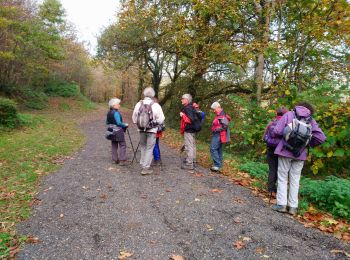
115	122
147	115
190	125
220	135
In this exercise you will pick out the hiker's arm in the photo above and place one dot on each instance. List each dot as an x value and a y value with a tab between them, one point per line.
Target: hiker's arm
159	115
278	130
134	114
318	137
118	120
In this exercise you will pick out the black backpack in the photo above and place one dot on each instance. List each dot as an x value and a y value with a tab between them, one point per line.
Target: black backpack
297	134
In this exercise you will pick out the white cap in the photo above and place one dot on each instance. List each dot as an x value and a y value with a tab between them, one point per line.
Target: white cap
114	101
149	92
215	105
188	97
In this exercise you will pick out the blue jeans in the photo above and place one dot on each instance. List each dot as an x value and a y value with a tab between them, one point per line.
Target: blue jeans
156	151
216	150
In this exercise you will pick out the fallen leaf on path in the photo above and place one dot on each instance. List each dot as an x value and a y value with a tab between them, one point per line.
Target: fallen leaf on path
111	169
313	217
346	237
216	191
265	256
61	215
177	257
198	174
124	255
237	220
259	250
85	188
247	239
168	190
103	196
13	251
49	188
196	199
32	240
209	227
239	244
238	200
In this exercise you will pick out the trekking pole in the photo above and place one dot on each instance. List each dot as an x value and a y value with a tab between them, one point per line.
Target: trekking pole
132	146
135	153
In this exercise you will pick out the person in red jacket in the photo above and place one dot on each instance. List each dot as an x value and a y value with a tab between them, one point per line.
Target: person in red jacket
220	135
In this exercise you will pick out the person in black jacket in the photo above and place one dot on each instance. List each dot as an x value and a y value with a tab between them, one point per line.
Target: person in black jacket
115	121
191	125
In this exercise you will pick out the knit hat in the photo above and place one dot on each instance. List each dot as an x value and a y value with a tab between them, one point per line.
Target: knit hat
215	105
149	92
187	96
114	101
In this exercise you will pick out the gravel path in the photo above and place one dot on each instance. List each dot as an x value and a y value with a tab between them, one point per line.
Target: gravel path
93	209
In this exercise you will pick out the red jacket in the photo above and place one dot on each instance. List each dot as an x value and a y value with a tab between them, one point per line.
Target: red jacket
185	120
217	126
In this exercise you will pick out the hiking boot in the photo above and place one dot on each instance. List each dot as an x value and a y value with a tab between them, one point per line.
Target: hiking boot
146	171
215	169
292	211
279	208
116	162
124	163
187	166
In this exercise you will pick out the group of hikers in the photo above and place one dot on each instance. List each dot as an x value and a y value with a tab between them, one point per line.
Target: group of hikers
287	137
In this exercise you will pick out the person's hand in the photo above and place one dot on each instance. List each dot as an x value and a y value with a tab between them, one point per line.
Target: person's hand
181	114
126	125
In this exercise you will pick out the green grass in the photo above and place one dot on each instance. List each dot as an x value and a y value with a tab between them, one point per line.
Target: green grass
28	153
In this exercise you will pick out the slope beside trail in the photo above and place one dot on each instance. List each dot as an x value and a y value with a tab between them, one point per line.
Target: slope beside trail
94	209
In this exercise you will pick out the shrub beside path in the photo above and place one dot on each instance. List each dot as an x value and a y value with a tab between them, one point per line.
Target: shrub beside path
93	209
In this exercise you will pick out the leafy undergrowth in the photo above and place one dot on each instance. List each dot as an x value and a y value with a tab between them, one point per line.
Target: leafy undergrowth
27	154
254	175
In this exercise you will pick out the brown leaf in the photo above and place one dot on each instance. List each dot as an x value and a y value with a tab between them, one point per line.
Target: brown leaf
216	190
259	250
124	255
238	200
237	220
239	244
177	257
313	217
103	196
346	237
32	240
198	174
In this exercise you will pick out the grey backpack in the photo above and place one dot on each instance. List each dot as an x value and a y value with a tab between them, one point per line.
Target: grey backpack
145	116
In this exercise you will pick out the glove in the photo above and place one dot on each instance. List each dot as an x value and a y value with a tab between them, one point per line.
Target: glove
181	114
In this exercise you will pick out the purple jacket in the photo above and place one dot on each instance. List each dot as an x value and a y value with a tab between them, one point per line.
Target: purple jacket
318	137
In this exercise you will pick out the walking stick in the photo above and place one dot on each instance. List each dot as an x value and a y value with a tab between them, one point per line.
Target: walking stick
137	148
132	146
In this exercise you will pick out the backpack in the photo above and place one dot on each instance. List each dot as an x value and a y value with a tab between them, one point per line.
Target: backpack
270	141
145	116
297	134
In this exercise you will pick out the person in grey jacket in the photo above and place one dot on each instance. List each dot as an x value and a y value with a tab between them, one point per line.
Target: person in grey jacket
148	135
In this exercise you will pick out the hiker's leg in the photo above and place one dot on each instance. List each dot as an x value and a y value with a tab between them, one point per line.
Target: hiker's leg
272	161
194	148
122	151
284	165
220	151
151	141
189	147
115	151
143	142
214	149
294	178
156	151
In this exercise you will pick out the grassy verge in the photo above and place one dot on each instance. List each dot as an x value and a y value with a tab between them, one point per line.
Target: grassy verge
29	153
253	175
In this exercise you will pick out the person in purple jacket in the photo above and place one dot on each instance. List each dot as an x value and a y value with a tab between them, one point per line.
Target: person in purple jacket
290	165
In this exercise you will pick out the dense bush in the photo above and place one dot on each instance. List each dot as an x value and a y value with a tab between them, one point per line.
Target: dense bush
331	194
32	98
8	113
62	89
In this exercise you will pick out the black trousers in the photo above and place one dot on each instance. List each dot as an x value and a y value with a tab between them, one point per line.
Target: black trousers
272	161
